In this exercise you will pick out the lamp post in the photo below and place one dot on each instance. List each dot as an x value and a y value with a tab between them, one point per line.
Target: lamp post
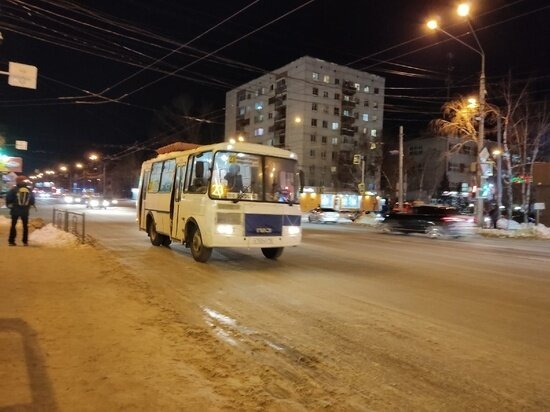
464	10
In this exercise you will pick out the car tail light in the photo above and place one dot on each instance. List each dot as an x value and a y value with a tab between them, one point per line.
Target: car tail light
450	219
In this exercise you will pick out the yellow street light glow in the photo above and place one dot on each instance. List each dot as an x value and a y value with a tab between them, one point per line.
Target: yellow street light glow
79	166
232	141
497	152
241	138
463	9
93	156
63	168
432	24
472	102
297	119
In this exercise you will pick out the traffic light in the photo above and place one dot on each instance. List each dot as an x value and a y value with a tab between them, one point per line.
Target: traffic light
356	159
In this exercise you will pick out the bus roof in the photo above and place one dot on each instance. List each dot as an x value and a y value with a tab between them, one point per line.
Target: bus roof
182	148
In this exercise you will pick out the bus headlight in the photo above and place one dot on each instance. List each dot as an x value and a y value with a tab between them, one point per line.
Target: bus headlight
224	229
293	230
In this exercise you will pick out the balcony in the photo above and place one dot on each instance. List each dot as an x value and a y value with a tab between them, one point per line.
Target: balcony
348	104
277	127
242	123
348	88
280	89
348	130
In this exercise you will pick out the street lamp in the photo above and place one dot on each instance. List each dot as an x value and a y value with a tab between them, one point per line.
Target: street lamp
464	10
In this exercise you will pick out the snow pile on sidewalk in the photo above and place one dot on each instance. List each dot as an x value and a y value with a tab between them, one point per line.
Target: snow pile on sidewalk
48	236
511	229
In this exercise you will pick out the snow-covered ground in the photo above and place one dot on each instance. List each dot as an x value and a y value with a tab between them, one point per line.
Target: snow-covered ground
506	228
44	235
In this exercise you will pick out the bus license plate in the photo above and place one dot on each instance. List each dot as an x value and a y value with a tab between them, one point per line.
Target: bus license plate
262	241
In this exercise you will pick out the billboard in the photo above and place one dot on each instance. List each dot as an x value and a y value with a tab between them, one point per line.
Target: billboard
11	164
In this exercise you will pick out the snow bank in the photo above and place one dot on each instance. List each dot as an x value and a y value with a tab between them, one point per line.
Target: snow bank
50	236
517	230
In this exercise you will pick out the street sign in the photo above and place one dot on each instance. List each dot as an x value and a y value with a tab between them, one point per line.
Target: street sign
22	75
487	169
484	155
21	144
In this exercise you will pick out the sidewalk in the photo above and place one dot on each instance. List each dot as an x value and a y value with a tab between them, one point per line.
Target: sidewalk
79	332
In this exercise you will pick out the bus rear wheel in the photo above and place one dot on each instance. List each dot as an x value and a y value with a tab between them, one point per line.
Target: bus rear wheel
200	252
272	252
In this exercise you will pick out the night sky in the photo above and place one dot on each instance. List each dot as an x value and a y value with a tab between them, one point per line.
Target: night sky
101	63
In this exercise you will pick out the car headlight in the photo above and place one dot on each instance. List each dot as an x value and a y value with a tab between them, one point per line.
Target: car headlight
69	199
94	202
105	203
114	202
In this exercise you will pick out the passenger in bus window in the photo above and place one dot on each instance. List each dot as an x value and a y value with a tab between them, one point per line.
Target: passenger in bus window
234	179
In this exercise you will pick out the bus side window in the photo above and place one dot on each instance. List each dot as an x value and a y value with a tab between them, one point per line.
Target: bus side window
198	183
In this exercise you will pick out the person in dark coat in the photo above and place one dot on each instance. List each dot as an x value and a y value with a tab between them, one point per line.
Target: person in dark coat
19	200
234	179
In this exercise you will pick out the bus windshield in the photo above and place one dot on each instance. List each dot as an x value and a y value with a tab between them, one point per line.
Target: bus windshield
245	176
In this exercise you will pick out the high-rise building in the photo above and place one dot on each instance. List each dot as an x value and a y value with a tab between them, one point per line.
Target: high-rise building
324	112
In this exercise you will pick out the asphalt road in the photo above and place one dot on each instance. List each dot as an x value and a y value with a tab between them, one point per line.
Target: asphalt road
364	320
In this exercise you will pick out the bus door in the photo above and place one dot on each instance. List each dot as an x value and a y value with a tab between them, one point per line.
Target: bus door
141	200
177	217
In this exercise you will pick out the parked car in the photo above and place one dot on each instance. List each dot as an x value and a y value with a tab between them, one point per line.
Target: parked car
323	215
434	220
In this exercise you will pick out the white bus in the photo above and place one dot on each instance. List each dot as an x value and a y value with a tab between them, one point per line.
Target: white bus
221	195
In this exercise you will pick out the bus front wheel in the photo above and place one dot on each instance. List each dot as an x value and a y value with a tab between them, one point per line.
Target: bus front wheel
154	236
272	252
200	252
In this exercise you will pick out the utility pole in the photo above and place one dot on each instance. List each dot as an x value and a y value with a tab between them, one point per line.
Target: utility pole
499	165
400	169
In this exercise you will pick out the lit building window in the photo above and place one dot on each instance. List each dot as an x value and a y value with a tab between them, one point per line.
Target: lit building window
366	89
335	125
315	76
259	131
326	78
365	117
373	132
334	140
259	105
357	86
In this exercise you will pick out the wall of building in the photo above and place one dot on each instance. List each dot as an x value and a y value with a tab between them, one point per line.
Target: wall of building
300	107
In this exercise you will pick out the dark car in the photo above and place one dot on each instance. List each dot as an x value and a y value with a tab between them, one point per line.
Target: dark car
433	220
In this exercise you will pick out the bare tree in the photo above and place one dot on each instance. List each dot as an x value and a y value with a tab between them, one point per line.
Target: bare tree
525	132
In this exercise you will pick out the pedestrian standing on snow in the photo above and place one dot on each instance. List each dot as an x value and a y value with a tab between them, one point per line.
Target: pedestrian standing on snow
19	200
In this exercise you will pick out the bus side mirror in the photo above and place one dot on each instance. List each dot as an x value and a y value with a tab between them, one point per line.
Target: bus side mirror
302	179
199	170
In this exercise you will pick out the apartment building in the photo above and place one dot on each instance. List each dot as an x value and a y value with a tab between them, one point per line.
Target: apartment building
427	159
322	111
